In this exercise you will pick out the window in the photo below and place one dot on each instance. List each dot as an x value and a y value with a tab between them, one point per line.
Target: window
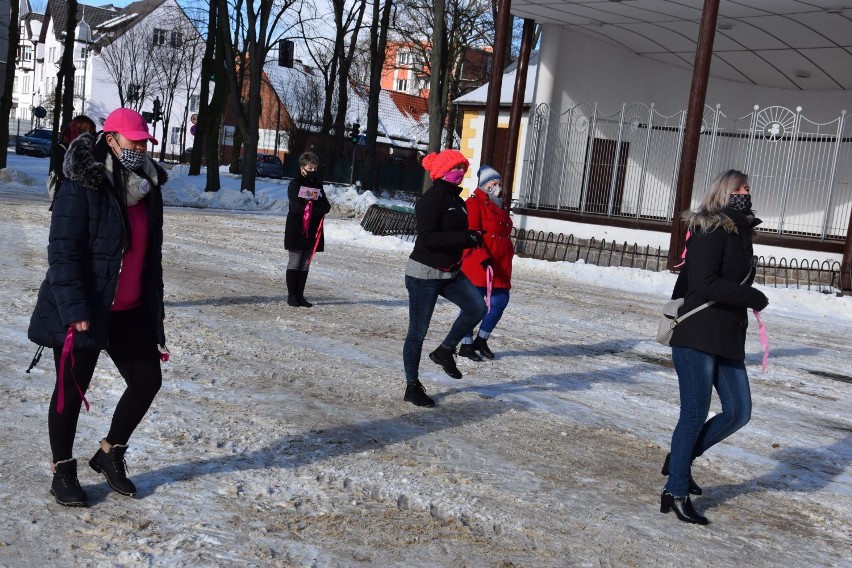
404	58
51	55
83	53
177	39
159	37
26	85
194	102
27	53
175	137
15	85
402	85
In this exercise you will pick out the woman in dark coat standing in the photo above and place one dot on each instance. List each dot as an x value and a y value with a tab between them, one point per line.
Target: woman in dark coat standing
434	269
708	348
103	290
303	232
485	213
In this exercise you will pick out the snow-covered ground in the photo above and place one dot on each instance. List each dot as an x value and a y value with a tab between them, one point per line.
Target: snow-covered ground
280	437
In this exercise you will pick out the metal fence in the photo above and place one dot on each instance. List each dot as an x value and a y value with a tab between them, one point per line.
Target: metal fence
823	276
625	164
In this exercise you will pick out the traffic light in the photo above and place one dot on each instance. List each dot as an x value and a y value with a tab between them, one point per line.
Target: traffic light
158	111
354	132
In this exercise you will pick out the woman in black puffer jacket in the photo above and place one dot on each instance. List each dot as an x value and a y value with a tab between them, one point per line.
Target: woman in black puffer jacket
708	348
103	290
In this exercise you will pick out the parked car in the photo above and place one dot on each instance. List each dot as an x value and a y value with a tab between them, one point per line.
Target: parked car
267	166
37	142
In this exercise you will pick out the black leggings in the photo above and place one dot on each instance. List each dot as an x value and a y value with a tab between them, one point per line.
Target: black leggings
133	349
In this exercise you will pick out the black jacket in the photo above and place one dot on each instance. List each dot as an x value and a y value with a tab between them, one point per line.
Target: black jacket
717	262
294	236
85	250
442	233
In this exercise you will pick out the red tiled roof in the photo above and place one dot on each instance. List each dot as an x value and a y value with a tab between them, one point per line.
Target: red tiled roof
410	104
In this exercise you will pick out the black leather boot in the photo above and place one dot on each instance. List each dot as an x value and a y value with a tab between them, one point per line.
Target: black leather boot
466	350
694	488
444	357
293	288
682	507
481	345
114	468
66	487
416	395
303	278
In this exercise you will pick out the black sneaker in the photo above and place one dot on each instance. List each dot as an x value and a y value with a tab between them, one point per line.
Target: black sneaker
66	487
114	468
481	344
467	350
444	357
416	395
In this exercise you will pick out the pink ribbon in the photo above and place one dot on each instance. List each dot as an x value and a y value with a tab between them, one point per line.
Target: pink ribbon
683	254
306	218
67	349
763	339
489	282
316	240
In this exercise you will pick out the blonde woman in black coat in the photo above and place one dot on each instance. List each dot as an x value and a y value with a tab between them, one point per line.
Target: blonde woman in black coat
708	348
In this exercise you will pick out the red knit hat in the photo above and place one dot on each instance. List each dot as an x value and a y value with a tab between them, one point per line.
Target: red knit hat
439	164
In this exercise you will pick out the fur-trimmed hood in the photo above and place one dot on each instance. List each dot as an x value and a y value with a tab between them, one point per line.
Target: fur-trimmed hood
83	165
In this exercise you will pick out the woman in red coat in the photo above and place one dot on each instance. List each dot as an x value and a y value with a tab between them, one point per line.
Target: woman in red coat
485	213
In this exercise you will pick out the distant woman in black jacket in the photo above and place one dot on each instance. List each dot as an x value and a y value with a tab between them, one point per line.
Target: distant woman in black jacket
78	125
434	269
303	234
103	291
708	348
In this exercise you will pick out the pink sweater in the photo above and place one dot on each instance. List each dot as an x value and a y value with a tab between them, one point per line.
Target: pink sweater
128	294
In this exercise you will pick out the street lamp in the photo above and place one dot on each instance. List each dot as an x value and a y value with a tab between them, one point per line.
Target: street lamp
83	35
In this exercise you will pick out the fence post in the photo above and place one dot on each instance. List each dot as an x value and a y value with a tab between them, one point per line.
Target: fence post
543	153
831	176
751	139
645	162
584	194
615	162
794	136
676	168
565	154
709	173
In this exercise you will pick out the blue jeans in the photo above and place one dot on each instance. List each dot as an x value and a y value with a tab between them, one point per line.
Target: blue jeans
698	373
499	301
422	297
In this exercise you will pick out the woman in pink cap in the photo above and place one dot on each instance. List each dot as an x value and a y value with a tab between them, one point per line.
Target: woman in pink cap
103	291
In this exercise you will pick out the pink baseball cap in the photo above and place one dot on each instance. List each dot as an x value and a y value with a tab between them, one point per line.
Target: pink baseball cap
129	124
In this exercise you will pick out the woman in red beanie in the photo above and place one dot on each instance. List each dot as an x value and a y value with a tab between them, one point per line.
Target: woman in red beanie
434	269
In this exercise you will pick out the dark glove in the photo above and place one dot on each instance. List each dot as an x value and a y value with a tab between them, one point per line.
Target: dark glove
487	263
766	303
474	239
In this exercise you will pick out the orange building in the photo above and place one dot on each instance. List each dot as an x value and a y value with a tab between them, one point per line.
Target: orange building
406	72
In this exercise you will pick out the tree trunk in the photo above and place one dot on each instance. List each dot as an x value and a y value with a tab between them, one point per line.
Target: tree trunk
437	104
6	99
208	65
378	45
68	64
215	111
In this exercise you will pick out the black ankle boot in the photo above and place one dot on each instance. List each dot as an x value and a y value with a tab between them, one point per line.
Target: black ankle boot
694	488
444	357
466	350
293	288
481	345
682	507
66	487
303	278
416	395
114	468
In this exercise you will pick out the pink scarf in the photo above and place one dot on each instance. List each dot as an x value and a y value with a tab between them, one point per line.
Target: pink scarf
67	349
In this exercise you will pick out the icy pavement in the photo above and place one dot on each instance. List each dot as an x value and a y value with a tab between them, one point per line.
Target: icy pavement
280	437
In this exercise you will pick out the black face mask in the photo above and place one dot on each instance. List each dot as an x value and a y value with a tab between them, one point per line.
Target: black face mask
310	176
740	202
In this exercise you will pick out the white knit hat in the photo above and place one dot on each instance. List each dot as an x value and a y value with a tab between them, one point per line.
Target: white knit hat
487	173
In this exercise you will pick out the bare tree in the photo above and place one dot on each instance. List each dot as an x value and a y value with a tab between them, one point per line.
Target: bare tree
378	46
14	36
264	20
127	60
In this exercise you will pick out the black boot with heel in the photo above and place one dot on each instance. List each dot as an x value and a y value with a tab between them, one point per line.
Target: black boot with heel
293	288
682	507
303	278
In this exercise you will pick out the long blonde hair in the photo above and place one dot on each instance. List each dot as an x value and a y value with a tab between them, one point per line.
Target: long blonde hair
709	216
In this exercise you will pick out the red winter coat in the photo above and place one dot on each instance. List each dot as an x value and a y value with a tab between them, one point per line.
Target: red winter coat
496	226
